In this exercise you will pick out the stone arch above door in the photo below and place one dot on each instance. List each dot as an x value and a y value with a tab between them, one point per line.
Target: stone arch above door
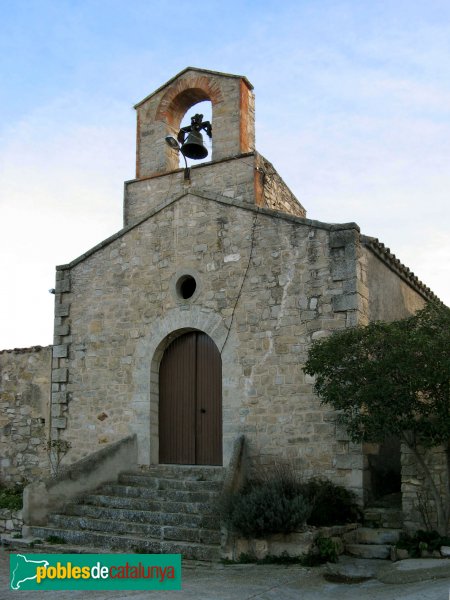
149	352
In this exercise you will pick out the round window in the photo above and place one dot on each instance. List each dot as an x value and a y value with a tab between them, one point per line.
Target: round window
186	287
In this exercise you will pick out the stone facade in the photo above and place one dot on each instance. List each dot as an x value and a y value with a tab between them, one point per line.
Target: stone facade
266	286
268	282
24	413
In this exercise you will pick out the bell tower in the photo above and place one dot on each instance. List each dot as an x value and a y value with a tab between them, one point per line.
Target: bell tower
235	172
160	114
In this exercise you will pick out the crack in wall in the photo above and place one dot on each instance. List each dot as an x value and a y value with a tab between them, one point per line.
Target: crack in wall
287	279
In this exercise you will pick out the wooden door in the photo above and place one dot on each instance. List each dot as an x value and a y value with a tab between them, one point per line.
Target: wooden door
190	402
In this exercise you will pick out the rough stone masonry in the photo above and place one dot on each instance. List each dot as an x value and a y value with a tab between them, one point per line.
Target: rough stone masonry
267	283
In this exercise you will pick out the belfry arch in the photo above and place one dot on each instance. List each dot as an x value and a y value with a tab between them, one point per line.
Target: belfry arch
160	114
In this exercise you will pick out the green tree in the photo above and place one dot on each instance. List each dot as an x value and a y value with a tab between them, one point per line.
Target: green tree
392	379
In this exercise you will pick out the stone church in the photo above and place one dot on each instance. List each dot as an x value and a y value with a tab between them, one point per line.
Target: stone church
189	327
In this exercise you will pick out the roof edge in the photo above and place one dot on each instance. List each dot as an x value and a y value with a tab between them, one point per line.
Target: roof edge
26	350
215	198
393	263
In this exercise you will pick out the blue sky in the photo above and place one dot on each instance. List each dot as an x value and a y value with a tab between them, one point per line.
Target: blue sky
352	107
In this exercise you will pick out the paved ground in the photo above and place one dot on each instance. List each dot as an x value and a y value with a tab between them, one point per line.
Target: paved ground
251	582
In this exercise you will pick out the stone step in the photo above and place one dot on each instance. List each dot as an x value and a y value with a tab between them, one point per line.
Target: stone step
367	535
192	472
383	518
157	531
381	551
173	495
130	543
164	509
149	505
143	516
112	526
160	483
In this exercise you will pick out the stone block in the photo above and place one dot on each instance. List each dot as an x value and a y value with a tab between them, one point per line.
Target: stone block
342	238
59	423
369	551
350	461
56	410
61	330
60	375
260	549
62	310
62	286
60	397
242	546
60	351
345	302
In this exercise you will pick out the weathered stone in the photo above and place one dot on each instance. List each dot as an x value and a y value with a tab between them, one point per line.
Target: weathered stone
61	330
268	282
60	351
62	285
60	375
25	384
62	310
345	302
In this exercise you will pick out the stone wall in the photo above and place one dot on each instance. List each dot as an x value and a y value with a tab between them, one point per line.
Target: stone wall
24	413
272	192
232	178
419	509
391	296
267	285
11	522
248	178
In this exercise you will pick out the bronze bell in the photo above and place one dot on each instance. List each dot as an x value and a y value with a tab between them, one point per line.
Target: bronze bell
193	146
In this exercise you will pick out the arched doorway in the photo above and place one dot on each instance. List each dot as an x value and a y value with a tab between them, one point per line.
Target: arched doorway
190	402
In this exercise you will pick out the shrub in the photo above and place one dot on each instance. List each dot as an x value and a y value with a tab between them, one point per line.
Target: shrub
55	539
422	540
275	500
331	504
271	502
11	498
262	509
325	550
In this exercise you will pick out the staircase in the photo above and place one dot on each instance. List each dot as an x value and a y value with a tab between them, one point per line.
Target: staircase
373	543
166	509
381	531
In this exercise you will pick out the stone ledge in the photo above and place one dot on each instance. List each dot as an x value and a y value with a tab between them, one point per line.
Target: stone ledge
293	544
